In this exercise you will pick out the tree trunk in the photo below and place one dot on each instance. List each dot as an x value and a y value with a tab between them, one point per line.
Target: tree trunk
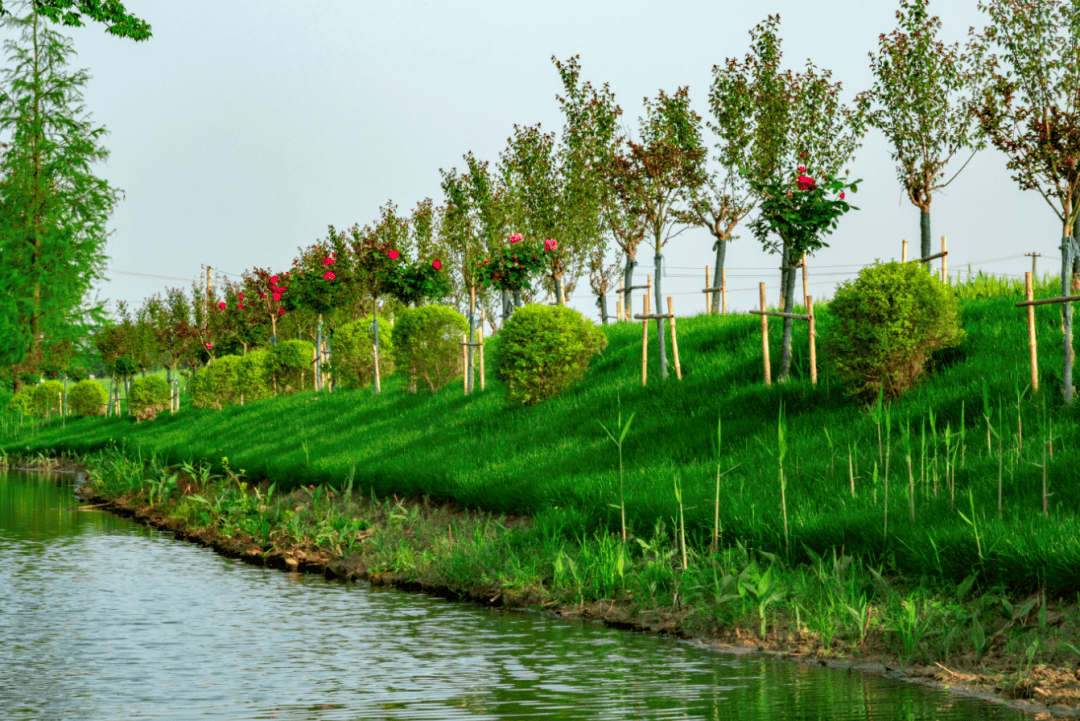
924	229
507	306
721	252
603	308
657	261
788	279
1067	248
518	300
628	281
375	358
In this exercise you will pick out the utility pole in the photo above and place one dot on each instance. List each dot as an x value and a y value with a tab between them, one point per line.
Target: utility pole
1033	257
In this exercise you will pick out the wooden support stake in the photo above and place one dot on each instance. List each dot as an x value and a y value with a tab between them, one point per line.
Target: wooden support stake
645	341
674	343
618	309
944	271
648	285
903	255
813	345
804	281
1048	301
723	290
708	296
1029	294
765	336
480	340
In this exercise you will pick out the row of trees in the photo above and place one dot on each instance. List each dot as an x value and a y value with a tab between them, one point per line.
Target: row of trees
552	209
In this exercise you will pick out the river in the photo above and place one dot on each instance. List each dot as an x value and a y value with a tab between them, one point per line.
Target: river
101	618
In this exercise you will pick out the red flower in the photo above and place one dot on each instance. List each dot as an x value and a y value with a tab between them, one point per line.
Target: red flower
239	306
394	255
802	169
333	255
329	275
281	311
841	196
262	295
516	238
274	279
550	244
241	296
277	296
436	264
534	255
209	345
805	183
221	305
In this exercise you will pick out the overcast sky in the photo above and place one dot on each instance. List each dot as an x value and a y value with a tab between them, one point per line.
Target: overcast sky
244	127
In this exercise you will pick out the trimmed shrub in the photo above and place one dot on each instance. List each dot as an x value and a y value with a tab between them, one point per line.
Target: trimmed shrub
255	375
47	398
886	325
543	349
88	398
149	395
426	344
351	351
23	401
215	385
292	365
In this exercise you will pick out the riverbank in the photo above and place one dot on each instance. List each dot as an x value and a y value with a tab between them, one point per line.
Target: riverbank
835	612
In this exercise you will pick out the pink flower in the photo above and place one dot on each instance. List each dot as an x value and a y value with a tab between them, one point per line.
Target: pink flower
209	345
550	244
221	305
333	255
436	264
534	255
277	296
516	238
841	196
802	169
241	296
394	255
327	261
239	306
805	182
262	295
273	279
281	311
329	275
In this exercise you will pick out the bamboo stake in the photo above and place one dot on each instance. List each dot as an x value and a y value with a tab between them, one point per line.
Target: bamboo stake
708	296
1029	294
903	255
813	334
674	343
944	265
480	340
645	337
765	336
723	290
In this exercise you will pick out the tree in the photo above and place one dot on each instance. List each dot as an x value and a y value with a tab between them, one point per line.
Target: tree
916	81
53	209
802	137
1040	134
654	176
111	12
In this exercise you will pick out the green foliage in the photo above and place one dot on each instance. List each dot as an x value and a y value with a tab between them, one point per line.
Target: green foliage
23	401
255	375
544	350
149	394
888	323
70	13
293	365
47	397
88	398
426	344
351	352
215	386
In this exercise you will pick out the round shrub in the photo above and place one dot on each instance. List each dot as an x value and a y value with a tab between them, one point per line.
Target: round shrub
23	401
215	385
887	323
426	344
293	365
47	398
88	398
148	396
543	349
351	351
255	375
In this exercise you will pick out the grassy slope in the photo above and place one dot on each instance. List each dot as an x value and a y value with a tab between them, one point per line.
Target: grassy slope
481	452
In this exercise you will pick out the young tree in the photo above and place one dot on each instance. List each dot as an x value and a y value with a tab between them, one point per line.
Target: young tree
1040	134
53	209
799	121
919	101
656	175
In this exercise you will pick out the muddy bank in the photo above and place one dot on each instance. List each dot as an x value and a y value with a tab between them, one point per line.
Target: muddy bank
1046	692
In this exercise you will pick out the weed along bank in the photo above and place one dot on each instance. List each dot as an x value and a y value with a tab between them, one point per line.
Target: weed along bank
924	521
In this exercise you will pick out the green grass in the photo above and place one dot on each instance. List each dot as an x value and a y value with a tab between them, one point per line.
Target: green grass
557	460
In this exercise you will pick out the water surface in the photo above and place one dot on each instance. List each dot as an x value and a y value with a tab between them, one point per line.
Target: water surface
103	619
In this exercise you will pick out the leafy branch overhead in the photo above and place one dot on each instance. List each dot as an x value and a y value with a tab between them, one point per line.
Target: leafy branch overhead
70	13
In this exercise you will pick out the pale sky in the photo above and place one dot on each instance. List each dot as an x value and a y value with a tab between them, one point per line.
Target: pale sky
244	127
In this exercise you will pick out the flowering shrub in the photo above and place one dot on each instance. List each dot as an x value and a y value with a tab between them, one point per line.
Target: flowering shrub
511	266
88	398
799	209
351	351
542	350
149	395
426	344
413	283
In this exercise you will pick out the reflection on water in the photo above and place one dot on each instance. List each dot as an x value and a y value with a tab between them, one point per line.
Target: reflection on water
103	619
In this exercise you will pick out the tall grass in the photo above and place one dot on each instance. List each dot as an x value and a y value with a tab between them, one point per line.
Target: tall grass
479	451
